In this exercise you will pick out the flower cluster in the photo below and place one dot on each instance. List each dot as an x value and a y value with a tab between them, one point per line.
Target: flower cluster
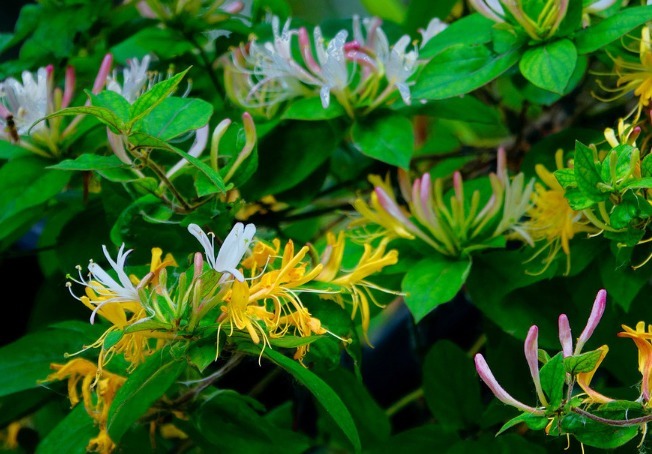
454	225
362	73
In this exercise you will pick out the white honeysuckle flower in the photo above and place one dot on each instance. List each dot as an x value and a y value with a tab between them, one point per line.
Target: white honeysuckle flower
399	66
434	27
197	148
600	5
334	67
104	285
491	9
27	102
134	79
232	250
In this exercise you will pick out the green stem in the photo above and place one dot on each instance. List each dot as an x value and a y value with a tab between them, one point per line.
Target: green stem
614	422
404	401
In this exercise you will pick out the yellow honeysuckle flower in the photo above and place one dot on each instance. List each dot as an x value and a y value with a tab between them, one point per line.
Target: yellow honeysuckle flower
643	340
551	219
633	77
584	381
97	395
372	261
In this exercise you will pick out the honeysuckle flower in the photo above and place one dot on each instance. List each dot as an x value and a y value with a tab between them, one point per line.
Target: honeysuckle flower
24	104
452	227
632	78
354	281
566	340
361	74
594	8
134	79
539	24
96	395
488	378
642	338
232	250
550	219
531	349
624	133
208	11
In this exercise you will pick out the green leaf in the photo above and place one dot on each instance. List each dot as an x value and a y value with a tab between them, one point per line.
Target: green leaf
153	97
311	109
388	139
550	66
587	174
459	70
391	10
26	361
165	42
453	399
610	29
553	377
638	183
143	387
457	33
585	362
104	115
534	422
426	438
324	394
71	435
146	140
175	116
230	422
26	183
292	153
371	421
10	151
433	281
112	101
565	177
622	283
598	435
89	162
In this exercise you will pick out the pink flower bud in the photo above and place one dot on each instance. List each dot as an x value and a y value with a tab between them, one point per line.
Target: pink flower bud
488	378
596	314
565	336
69	87
531	348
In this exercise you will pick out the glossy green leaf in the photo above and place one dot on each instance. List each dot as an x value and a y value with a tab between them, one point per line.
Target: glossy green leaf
550	66
26	361
324	394
388	139
425	438
585	362
433	281
113	101
143	387
460	69
457	33
587	174
597	36
153	97
104	115
175	116
16	195
89	162
453	399
596	434
70	435
553	377
534	422
147	140
371	421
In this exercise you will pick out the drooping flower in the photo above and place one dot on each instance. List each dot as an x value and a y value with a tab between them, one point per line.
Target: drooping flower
96	395
550	219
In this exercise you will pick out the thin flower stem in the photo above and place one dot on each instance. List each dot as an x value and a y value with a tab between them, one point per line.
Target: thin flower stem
613	422
404	401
